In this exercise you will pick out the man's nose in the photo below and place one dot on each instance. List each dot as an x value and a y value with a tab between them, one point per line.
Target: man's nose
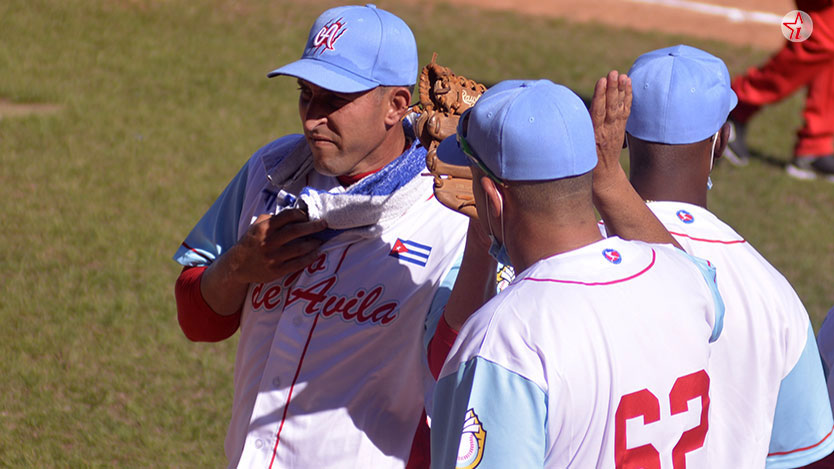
314	114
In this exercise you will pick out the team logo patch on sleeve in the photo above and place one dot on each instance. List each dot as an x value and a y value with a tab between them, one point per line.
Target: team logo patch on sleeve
504	277
612	256
472	442
410	251
685	216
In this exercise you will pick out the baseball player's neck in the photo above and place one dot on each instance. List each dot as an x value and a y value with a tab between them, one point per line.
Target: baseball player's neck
536	241
670	172
538	230
392	146
669	188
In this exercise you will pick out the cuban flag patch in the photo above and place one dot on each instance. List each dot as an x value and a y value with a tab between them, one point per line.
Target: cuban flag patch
410	251
612	256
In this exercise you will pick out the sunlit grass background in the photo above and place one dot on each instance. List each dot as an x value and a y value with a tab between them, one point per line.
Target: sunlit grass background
161	102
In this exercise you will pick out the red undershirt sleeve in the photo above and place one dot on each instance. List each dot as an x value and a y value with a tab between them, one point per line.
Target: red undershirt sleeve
440	346
197	320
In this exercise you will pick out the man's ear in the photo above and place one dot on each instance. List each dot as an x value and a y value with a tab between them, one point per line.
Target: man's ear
493	196
397	100
723	140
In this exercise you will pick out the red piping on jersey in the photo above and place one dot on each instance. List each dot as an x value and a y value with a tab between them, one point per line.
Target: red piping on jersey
197	252
289	395
782	453
737	241
339	266
298	370
595	284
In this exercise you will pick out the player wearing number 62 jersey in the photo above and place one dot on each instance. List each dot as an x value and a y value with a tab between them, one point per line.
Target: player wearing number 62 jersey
596	354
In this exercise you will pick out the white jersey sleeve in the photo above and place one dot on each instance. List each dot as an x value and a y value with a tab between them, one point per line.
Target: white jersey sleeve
510	408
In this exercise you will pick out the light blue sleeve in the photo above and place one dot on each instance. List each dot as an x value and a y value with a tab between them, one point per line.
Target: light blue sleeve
803	423
486	416
825	343
217	231
438	303
708	271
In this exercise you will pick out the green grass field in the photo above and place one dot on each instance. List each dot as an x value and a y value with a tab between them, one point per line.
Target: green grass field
161	102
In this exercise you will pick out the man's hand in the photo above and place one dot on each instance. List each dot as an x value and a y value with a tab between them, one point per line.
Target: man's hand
610	108
622	209
272	247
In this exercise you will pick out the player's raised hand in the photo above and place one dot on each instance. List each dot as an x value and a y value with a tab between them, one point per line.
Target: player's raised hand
274	246
623	211
610	108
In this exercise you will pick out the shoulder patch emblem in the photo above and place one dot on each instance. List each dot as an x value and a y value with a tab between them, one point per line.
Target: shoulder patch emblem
612	256
504	277
472	442
685	216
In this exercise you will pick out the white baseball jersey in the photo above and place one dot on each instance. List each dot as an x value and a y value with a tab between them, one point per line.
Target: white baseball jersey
765	369
825	341
330	368
592	358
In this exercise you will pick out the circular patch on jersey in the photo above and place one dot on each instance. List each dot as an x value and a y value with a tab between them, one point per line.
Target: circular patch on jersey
612	256
685	216
472	441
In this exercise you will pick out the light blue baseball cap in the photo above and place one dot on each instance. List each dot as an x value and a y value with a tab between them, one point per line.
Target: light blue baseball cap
525	131
680	95
356	48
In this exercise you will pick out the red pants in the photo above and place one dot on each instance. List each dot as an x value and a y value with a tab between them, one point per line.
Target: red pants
809	63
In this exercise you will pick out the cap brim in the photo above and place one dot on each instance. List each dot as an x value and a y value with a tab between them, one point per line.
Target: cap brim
325	75
450	152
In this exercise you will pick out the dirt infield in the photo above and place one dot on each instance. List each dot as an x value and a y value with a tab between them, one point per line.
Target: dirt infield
684	18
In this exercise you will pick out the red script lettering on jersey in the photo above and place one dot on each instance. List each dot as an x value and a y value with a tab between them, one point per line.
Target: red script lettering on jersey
361	307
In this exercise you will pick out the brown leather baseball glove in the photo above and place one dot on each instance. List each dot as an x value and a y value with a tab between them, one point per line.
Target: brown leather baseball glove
443	98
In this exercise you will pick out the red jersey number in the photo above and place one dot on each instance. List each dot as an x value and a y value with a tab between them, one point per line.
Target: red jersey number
644	403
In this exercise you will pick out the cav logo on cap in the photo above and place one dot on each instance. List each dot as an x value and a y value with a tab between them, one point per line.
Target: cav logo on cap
612	256
472	442
328	35
685	216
